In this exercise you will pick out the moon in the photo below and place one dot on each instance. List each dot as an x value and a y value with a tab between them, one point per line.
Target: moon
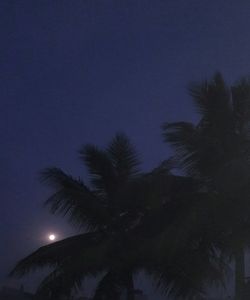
52	237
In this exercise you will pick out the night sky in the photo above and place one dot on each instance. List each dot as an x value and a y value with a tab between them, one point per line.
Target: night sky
77	71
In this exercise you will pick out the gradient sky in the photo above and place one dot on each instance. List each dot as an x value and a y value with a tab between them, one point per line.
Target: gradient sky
77	71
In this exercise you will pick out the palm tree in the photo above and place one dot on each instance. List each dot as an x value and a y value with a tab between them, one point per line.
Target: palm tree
130	222
107	248
216	152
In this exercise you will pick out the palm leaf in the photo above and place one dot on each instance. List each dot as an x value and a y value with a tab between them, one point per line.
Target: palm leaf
187	142
53	254
69	274
124	157
101	170
74	199
212	99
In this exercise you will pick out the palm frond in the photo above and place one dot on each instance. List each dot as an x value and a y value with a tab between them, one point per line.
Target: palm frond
69	274
74	199
212	99
123	156
186	140
101	170
53	254
197	149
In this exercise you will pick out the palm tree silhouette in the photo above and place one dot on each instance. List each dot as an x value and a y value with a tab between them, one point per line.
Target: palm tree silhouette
105	212
131	222
216	152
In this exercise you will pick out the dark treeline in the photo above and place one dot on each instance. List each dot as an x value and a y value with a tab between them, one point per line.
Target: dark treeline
183	231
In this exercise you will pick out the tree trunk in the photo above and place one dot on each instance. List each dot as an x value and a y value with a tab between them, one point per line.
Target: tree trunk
239	273
130	288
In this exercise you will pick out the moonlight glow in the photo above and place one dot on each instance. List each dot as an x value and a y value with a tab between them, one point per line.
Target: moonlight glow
52	237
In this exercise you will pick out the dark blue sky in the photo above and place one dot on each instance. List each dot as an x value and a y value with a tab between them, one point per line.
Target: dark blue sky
77	71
